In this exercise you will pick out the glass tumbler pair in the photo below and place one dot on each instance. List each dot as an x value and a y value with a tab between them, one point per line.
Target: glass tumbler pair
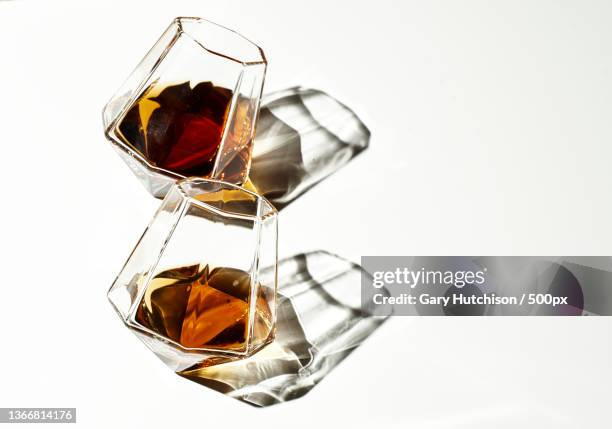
194	289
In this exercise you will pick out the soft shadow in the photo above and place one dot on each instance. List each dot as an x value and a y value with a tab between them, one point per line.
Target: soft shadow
320	322
303	136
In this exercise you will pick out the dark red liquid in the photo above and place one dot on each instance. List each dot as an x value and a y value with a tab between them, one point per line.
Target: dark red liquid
180	129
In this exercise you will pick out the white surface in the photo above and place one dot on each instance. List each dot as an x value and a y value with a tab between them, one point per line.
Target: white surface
491	135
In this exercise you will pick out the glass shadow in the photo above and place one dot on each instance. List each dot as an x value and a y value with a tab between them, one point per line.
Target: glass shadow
303	135
319	323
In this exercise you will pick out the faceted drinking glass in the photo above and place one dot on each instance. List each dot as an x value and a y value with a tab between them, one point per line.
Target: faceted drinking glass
190	106
194	288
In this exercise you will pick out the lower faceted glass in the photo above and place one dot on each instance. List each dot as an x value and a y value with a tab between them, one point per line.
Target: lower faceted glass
193	286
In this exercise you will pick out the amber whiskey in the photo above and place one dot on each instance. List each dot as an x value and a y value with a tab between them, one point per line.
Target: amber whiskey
180	128
202	308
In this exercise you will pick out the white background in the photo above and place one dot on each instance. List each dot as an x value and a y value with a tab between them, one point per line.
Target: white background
491	136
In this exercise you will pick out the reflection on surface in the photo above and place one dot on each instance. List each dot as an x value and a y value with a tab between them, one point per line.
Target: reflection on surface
303	136
320	322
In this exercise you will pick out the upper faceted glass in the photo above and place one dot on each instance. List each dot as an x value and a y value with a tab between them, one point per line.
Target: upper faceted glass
190	107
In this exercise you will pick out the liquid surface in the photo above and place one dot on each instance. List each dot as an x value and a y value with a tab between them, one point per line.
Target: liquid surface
177	127
202	308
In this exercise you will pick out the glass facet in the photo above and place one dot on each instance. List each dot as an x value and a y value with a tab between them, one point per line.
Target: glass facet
190	107
193	288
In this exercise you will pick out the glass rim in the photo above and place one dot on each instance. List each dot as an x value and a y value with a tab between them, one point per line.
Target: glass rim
258	199
179	21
